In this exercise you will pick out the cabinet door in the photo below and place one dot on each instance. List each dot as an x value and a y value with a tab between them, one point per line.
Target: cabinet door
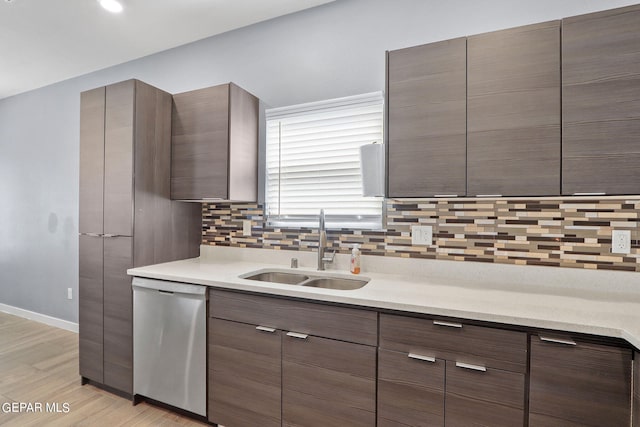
200	144
118	314
410	389
244	374
578	384
90	308
426	90
600	108
479	396
327	383
118	159
513	140
92	104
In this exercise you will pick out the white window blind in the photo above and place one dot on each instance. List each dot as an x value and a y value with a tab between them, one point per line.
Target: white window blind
313	162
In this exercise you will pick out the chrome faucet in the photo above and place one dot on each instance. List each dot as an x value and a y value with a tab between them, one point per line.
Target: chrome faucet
322	244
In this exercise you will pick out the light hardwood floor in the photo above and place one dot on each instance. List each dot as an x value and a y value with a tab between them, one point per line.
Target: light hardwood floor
39	363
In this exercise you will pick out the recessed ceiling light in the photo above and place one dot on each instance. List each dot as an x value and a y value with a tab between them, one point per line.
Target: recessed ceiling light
113	6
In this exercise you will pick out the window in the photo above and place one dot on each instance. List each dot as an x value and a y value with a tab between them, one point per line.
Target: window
313	162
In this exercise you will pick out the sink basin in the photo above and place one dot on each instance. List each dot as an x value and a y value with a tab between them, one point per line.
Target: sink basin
335	283
279	277
311	280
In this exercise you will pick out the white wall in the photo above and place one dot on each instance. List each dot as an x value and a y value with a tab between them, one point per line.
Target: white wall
330	51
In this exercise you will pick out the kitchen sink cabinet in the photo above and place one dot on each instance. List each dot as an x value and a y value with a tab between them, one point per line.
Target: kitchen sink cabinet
600	109
126	219
576	383
245	374
426	114
513	111
324	380
435	372
214	144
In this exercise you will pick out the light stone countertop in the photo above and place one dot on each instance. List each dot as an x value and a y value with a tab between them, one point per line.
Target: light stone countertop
605	303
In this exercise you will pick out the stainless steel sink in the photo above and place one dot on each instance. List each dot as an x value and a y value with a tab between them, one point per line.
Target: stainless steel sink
279	277
335	283
311	280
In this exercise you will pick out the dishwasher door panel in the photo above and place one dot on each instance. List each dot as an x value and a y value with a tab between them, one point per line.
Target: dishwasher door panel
170	346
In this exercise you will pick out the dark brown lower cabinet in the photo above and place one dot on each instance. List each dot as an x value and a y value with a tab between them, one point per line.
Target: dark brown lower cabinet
574	383
327	383
244	374
267	368
410	389
483	397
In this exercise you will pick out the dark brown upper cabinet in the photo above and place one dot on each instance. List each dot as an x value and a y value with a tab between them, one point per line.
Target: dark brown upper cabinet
214	144
600	108
426	108
513	102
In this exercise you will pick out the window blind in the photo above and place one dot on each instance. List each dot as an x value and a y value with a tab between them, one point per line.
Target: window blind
313	162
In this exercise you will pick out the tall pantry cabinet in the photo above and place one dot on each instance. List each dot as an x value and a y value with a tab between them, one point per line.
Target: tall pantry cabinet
126	219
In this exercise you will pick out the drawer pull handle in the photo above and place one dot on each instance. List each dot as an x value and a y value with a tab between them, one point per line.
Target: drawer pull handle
448	324
488	195
265	329
421	357
472	367
557	340
297	335
445	195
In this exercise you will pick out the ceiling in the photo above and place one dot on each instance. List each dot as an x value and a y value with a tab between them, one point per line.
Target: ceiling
46	41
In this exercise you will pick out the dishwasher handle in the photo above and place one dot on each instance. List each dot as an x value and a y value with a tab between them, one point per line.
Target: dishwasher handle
168	287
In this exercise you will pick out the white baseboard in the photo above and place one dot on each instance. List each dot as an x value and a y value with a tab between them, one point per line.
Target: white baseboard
42	318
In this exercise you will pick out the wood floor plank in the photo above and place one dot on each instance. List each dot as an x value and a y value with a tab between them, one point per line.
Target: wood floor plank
39	363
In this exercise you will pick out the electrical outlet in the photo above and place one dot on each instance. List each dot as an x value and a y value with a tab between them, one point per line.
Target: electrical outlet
421	235
69	293
246	227
620	241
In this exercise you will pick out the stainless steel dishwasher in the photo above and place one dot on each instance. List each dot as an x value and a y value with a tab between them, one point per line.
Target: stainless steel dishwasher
169	343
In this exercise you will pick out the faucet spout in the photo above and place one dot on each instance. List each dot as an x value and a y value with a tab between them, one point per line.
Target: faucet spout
322	243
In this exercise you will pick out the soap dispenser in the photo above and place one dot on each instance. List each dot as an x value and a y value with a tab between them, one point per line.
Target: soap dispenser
355	259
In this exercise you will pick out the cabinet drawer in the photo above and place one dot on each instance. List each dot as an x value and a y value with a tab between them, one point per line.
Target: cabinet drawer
488	347
578	383
490	397
410	390
346	324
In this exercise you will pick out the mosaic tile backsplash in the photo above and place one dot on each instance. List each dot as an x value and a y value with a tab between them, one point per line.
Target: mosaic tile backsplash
569	232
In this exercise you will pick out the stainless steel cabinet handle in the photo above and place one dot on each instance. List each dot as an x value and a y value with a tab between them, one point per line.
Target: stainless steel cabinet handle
297	335
472	367
589	194
445	195
265	329
91	234
421	357
557	340
448	324
111	235
488	195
